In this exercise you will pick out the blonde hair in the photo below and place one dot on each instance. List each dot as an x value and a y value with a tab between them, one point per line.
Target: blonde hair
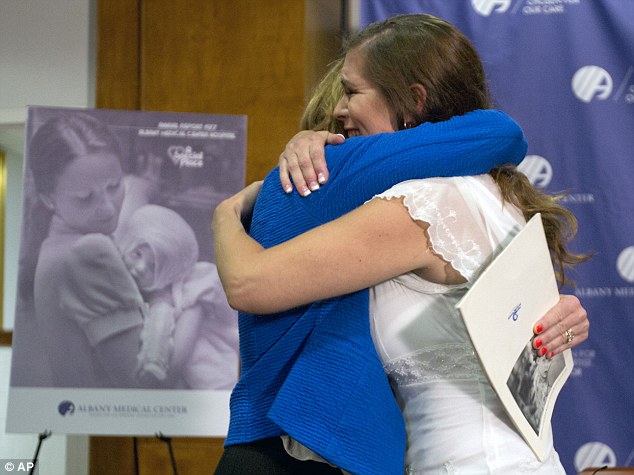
320	110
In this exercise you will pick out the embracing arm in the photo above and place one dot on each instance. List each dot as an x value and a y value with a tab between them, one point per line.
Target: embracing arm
369	245
470	144
375	242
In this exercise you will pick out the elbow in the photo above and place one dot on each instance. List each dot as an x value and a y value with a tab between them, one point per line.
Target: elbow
235	294
238	303
244	296
253	288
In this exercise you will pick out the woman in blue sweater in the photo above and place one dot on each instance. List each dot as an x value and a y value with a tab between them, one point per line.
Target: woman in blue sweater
309	367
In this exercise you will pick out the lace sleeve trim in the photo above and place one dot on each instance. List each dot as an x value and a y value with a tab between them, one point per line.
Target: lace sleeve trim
424	202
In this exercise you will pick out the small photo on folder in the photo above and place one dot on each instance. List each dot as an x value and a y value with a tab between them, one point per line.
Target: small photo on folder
510	295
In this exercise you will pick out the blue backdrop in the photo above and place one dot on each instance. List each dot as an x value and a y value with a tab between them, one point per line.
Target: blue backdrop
564	69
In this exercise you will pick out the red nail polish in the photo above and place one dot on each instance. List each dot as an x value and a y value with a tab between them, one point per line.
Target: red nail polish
552	353
538	343
544	351
539	328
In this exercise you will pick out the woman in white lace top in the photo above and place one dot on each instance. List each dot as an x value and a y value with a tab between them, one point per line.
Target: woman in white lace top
419	246
454	421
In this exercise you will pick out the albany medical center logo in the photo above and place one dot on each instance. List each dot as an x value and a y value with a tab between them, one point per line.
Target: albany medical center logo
486	7
598	454
594	83
68	408
540	173
537	169
625	264
624	267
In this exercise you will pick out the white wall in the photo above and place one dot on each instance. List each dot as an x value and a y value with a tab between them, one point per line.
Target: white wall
45	54
46	58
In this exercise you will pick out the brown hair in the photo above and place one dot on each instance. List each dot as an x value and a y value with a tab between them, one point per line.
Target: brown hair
421	49
560	225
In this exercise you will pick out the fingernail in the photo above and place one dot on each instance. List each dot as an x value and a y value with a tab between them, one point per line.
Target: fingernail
342	136
314	186
288	188
305	191
321	178
552	353
544	351
539	328
538	343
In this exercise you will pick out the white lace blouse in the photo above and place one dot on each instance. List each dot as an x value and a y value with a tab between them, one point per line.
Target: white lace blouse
455	423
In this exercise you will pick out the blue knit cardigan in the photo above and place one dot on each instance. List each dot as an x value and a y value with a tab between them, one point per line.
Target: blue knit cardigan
312	372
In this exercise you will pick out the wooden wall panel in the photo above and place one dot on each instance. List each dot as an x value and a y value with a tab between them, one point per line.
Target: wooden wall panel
238	57
116	455
249	57
323	33
117	69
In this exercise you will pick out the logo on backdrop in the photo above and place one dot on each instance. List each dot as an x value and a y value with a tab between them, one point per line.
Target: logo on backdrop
66	408
594	454
592	82
625	269
540	173
625	264
537	169
486	7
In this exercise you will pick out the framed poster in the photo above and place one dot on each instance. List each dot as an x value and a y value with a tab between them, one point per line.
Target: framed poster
122	326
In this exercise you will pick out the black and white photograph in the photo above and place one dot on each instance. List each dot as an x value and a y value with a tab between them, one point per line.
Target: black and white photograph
117	286
531	381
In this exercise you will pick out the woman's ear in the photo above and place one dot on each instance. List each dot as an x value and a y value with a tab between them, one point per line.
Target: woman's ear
420	95
46	201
